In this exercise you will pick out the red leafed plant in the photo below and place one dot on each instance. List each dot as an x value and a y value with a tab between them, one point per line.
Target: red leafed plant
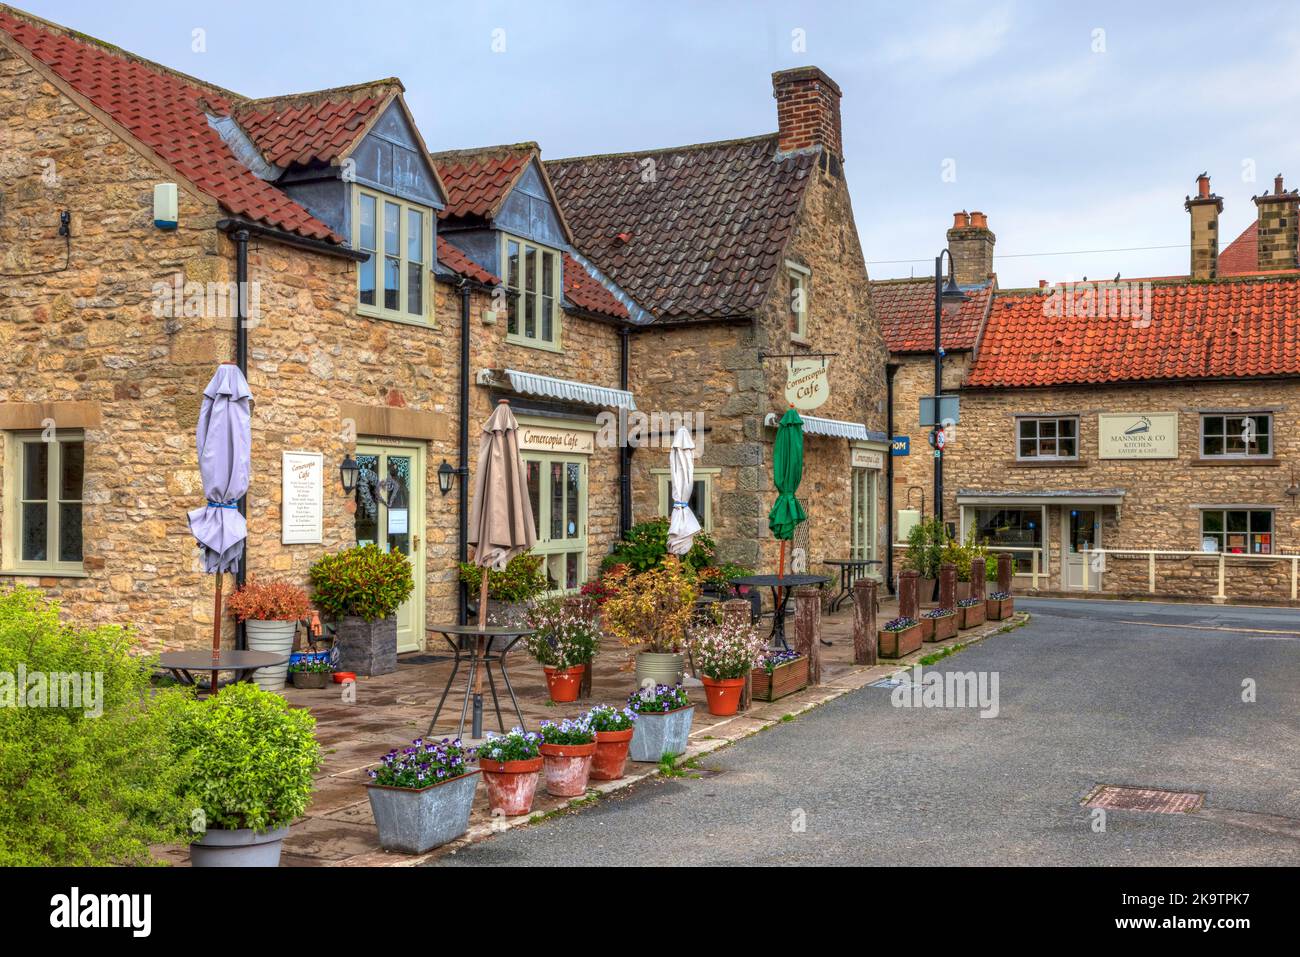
269	601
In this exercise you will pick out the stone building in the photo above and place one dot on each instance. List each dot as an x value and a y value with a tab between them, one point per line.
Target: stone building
745	254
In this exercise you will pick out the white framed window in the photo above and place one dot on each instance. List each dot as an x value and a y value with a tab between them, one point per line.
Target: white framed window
862	513
394	283
557	491
1050	437
1237	436
701	500
533	284
1239	531
798	280
44	477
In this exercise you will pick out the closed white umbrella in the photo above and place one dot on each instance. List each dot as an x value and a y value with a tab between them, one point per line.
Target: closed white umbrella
682	523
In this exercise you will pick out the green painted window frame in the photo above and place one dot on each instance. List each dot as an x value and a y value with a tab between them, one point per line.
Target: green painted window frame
519	290
705	475
380	254
17	445
543	515
864	516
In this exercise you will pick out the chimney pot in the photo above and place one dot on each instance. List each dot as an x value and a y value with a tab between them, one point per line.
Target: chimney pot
960	220
1277	184
979	220
970	241
1203	186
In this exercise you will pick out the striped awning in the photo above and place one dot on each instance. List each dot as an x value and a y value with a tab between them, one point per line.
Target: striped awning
566	390
835	428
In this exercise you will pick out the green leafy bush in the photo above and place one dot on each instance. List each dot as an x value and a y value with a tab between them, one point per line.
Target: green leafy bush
364	581
80	789
644	546
252	758
925	544
521	579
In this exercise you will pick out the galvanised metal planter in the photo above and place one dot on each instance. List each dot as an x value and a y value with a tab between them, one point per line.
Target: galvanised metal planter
566	768
275	637
238	847
413	821
610	759
662	669
511	785
655	735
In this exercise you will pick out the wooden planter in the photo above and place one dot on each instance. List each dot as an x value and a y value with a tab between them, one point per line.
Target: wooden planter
897	644
971	615
927	628
786	678
941	628
998	609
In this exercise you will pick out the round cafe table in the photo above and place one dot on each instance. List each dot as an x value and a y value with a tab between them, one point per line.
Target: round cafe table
463	642
782	586
184	664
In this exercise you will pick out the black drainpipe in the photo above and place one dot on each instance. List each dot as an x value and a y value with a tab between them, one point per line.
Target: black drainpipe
241	360
624	450
890	369
462	455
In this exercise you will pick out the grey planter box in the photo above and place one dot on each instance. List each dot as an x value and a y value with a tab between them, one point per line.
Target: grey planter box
655	735
238	848
367	647
415	821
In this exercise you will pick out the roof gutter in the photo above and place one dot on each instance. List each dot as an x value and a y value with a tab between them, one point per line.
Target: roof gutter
231	224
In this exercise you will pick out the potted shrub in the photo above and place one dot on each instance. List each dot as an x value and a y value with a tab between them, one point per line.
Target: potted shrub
649	613
899	637
511	764
613	730
564	643
663	722
270	612
778	674
925	545
725	653
362	588
645	545
421	796
938	624
999	605
567	749
252	761
971	611
310	673
510	589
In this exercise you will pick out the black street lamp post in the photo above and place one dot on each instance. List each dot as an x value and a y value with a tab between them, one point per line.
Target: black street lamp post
948	297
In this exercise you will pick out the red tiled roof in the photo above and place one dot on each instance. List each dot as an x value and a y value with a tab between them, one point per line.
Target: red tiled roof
479	180
905	308
1242	254
588	293
455	260
312	128
1236	328
166	112
703	237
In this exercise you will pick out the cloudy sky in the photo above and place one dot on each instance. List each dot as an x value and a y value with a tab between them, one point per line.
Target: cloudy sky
1075	127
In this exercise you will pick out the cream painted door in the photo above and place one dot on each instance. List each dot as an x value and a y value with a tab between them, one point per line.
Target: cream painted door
1080	532
390	513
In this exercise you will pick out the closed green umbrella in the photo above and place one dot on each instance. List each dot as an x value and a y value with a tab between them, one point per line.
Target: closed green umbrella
787	472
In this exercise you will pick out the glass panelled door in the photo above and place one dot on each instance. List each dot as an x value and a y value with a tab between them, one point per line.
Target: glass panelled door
1081	532
557	488
390	514
862	519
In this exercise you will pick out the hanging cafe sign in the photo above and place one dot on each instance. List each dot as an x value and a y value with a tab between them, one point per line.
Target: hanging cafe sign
807	380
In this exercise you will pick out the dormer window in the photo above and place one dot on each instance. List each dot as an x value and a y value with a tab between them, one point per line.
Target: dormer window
392	283
532	275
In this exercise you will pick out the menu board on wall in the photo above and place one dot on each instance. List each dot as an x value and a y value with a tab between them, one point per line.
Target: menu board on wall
302	499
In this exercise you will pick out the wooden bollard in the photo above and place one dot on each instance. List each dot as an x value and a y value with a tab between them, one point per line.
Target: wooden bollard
978	578
1004	572
738	611
864	622
908	604
808	629
948	585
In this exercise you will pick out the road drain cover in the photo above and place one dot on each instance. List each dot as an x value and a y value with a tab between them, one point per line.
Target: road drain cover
1114	797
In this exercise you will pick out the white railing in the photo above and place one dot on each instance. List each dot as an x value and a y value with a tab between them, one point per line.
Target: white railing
1038	567
1151	554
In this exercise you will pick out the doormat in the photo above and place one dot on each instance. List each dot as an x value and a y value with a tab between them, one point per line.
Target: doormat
1113	797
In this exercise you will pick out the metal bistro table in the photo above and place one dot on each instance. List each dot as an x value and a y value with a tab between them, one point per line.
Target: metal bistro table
782	586
183	664
463	640
851	569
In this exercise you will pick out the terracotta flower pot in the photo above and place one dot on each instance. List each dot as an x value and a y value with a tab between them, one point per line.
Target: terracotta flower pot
610	759
723	694
563	684
567	767
511	785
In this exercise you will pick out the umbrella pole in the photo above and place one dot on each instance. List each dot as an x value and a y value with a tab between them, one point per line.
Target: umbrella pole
216	633
476	729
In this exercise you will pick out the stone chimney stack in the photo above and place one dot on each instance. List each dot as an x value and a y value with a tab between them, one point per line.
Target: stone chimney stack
807	111
1204	208
971	243
1278	234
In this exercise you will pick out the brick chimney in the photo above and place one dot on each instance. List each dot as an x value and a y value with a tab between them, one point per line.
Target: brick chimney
971	243
1278	234
1205	208
807	111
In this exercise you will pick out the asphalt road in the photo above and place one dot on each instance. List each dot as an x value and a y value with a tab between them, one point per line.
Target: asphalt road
1086	697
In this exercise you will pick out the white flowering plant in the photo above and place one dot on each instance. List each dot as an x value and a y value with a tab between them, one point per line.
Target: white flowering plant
564	636
729	649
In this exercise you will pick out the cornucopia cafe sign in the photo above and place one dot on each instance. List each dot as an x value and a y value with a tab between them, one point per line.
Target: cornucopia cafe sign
808	384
